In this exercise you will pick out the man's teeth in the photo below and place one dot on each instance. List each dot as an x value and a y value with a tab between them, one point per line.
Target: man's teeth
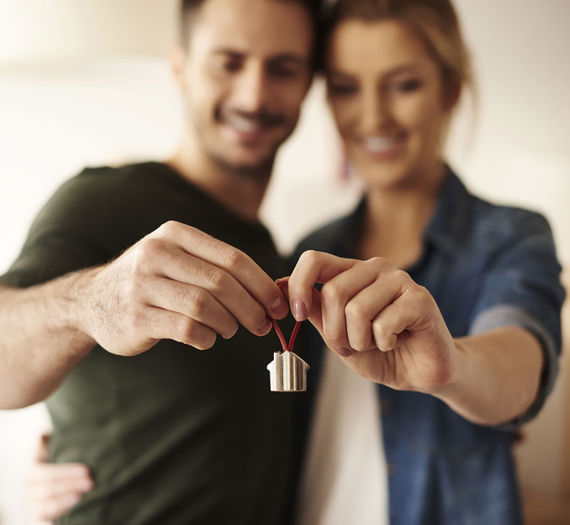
379	144
242	124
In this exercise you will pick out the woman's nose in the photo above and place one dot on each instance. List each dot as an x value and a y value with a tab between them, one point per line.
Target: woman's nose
374	112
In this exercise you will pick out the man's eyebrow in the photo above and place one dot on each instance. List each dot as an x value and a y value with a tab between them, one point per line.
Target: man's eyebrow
282	57
289	57
228	52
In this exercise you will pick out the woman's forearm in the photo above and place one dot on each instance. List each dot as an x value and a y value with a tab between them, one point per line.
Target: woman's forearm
497	376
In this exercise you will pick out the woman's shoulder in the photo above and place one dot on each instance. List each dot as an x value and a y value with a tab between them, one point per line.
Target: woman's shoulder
505	224
327	238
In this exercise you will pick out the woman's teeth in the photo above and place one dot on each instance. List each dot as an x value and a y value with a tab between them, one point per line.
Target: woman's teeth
380	144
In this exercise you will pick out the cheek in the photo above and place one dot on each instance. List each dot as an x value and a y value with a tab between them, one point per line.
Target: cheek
344	112
422	117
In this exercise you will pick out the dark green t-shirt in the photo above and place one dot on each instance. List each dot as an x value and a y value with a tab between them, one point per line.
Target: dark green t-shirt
174	436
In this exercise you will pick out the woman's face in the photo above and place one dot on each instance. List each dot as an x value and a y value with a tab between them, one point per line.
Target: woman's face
386	95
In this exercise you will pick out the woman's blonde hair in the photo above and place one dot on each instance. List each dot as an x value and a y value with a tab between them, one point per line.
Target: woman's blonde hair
434	21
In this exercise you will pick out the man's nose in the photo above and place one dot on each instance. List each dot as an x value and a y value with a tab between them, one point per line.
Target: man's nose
251	89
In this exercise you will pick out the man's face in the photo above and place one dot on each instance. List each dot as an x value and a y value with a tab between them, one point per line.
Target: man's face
246	70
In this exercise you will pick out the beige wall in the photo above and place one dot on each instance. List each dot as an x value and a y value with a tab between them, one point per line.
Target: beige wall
55	118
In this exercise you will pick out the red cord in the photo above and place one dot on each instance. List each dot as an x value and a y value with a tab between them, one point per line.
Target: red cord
286	348
294	335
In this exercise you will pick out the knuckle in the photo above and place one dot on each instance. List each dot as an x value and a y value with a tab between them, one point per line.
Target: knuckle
199	301
331	293
402	276
169	229
217	279
309	257
231	258
380	262
355	309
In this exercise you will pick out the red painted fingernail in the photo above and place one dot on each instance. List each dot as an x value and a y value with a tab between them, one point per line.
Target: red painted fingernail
344	352
299	310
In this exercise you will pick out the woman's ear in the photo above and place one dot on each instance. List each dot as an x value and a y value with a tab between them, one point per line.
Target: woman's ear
177	60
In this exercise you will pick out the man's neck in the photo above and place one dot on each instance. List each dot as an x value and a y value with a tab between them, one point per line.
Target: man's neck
238	193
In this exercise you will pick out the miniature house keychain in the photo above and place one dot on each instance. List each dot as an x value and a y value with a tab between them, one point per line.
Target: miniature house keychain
288	372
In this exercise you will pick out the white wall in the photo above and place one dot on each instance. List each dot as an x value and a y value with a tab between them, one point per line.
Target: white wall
58	117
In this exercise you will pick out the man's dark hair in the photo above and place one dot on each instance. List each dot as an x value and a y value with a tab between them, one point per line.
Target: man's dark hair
190	7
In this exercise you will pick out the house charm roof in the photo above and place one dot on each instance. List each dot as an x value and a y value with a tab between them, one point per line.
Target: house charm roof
288	372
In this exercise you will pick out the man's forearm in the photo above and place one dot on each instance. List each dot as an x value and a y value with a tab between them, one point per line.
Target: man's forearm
498	376
40	341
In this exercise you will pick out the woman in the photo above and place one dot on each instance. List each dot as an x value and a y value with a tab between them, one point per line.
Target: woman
450	304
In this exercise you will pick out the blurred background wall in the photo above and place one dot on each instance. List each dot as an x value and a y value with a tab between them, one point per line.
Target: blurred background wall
85	82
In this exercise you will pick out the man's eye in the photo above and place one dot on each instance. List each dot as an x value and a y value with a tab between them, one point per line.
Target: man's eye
231	66
283	72
341	89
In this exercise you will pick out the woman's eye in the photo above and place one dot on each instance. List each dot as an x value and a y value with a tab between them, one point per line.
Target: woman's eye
341	89
407	86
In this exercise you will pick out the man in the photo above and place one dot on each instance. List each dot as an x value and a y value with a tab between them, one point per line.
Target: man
171	435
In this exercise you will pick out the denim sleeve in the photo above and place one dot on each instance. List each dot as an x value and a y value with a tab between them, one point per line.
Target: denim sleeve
522	288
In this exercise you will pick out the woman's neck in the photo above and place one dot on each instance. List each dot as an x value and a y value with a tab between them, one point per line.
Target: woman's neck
396	218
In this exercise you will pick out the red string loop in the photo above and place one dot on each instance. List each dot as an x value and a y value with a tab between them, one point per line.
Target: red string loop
289	347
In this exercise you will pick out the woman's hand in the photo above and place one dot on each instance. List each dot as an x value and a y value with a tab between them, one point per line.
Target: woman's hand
386	327
54	489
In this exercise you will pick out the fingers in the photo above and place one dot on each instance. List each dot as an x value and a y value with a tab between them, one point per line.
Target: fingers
54	489
42	450
45	511
365	306
233	261
350	301
410	313
221	285
164	324
196	303
312	267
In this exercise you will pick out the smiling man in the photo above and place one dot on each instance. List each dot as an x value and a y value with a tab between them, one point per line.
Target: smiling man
170	435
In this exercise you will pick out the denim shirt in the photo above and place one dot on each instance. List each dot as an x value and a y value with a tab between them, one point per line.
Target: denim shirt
486	266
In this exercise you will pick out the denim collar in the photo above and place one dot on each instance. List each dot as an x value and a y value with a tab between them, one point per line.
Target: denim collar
446	230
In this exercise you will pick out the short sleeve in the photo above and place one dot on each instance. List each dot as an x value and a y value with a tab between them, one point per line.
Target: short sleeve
522	288
60	240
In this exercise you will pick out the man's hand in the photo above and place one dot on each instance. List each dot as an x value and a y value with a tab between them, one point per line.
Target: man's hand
386	327
54	489
177	283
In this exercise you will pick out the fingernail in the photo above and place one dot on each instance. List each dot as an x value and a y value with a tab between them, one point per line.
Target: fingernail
299	310
265	327
344	352
279	307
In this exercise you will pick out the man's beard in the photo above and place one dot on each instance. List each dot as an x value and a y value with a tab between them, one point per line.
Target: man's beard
259	172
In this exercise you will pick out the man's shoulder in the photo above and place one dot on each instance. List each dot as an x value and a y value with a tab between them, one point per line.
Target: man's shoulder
105	178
